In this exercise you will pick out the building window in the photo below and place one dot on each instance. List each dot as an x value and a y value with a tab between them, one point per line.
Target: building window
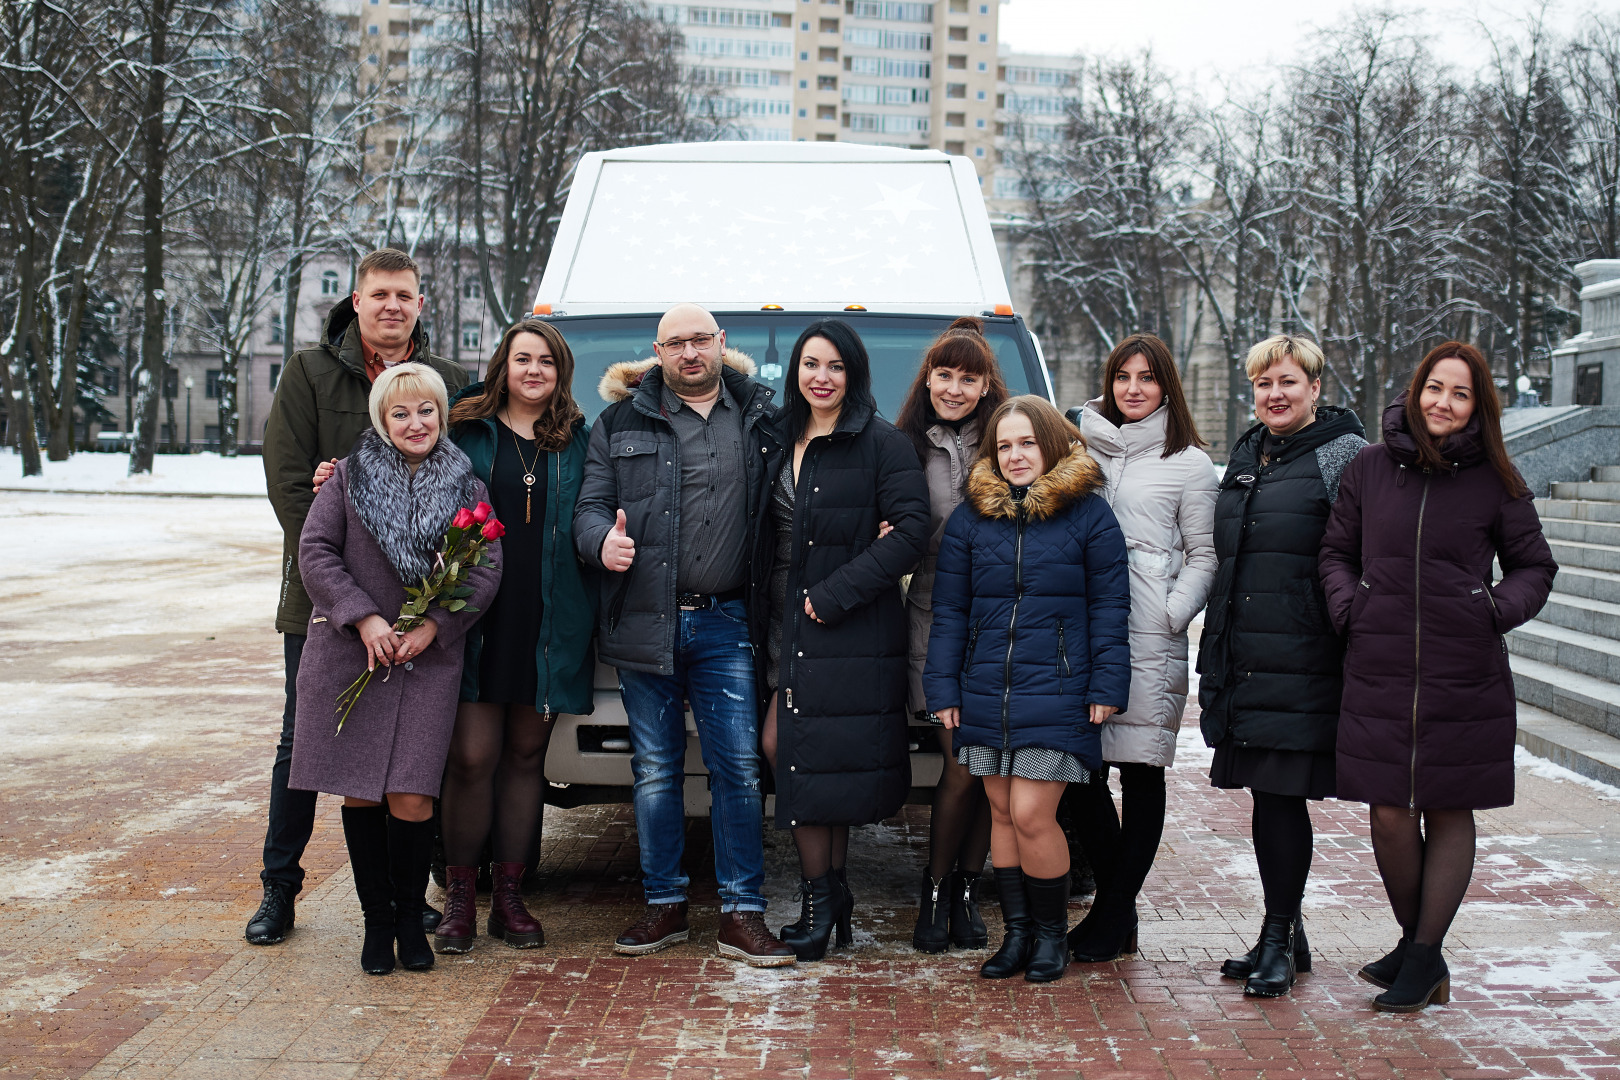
470	336
805	26
803	113
472	289
826	112
275	376
826	82
804	55
984	9
984	39
804	84
978	152
372	29
825	137
329	283
957	90
981	95
983	66
956	63
828	54
955	119
978	123
828	26
958	33
276	335
955	147
211	388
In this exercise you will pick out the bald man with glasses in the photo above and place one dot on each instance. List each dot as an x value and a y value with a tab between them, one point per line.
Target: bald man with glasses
673	509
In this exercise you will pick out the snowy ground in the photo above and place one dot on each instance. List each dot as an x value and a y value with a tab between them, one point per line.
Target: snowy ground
172	474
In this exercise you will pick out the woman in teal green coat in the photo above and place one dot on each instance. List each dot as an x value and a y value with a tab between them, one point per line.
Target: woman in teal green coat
530	657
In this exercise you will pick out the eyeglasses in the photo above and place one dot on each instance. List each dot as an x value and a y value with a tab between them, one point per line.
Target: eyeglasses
697	341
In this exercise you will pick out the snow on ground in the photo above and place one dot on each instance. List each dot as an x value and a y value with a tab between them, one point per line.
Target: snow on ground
172	474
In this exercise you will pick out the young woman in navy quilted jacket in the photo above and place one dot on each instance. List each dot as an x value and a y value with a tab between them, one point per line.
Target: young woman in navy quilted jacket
1031	594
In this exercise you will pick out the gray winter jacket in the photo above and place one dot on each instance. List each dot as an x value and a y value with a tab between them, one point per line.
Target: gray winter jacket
946	465
1166	508
633	464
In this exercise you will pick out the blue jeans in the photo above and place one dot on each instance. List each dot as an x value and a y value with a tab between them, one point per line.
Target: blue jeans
714	670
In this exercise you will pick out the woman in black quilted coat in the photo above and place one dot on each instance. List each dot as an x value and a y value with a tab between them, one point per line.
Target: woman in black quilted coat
835	730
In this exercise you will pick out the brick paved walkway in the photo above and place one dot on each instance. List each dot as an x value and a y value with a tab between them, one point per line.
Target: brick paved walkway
141	699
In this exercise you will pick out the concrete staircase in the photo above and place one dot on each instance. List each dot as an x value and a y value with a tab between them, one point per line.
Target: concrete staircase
1566	661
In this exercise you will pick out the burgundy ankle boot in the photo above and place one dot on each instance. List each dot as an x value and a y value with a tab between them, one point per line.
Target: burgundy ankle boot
456	930
509	920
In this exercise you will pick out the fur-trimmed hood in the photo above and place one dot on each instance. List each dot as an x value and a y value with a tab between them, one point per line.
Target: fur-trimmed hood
620	380
1070	480
408	513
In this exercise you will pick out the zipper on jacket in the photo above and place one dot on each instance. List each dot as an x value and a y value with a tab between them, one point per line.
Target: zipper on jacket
1417	639
1012	636
1063	658
973	643
556	493
809	467
1496	613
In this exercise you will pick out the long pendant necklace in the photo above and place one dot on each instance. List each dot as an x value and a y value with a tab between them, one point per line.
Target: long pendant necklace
528	473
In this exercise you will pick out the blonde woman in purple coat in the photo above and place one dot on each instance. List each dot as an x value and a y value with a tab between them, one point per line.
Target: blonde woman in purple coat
375	526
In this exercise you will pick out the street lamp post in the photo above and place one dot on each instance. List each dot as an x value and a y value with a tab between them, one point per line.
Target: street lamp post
188	413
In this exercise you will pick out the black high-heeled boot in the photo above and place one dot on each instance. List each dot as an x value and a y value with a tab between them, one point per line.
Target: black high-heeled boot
1108	933
1273	974
1049	911
1018	939
1239	967
820	905
967	925
410	850
1424	980
932	932
1383	971
365	832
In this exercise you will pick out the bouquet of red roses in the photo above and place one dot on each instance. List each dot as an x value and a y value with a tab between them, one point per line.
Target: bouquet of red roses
464	548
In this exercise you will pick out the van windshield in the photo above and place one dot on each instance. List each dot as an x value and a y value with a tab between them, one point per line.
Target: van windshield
896	344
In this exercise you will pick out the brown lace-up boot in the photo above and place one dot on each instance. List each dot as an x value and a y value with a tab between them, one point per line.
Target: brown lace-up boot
744	936
509	920
459	926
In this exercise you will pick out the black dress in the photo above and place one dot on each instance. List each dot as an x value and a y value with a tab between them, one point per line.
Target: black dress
507	674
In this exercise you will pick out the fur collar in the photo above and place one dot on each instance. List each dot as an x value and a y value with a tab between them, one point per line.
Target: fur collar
408	514
621	379
1070	480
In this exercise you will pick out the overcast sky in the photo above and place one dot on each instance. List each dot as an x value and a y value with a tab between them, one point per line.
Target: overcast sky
1216	39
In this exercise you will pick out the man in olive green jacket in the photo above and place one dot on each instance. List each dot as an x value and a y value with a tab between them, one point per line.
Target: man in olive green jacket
321	406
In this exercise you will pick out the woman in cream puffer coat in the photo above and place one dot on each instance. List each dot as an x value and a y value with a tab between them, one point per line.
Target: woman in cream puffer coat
1162	488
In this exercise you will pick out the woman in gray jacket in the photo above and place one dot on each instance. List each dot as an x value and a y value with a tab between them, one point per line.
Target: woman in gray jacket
958	385
1162	488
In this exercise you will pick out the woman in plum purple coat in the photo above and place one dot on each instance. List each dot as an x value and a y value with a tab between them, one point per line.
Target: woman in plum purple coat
1426	729
377	524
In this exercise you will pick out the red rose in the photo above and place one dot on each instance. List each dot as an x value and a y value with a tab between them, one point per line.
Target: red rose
481	512
464	517
493	530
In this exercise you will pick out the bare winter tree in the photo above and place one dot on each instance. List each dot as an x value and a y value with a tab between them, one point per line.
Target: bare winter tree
545	82
64	195
1592	67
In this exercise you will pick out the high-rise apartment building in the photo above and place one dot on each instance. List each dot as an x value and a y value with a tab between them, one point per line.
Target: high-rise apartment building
909	73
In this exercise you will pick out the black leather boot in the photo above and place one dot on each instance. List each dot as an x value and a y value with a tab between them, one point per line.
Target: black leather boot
410	849
1424	980
1049	910
1108	933
967	925
821	906
365	831
932	932
1382	972
1018	938
1273	974
1239	967
273	921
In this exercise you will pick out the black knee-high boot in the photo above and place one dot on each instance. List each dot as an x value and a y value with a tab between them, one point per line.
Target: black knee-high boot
365	832
1049	911
410	851
1018	940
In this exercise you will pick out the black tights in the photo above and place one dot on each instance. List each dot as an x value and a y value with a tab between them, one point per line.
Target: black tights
1282	847
1121	846
1425	863
959	826
496	771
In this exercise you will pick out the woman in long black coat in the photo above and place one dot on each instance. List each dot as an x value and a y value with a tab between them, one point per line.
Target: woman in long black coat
835	729
1271	662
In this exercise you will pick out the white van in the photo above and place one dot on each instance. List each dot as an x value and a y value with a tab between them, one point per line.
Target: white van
769	237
